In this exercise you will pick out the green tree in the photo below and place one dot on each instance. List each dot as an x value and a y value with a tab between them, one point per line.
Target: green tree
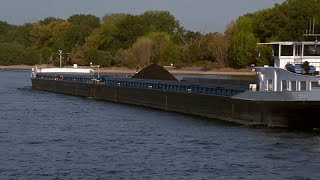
112	19
264	56
117	34
92	54
160	21
243	44
142	50
98	57
243	49
12	54
20	34
49	20
5	28
160	42
32	56
50	35
125	58
82	27
172	54
46	54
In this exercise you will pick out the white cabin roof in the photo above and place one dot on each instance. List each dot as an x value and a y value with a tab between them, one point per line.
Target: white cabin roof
292	43
65	70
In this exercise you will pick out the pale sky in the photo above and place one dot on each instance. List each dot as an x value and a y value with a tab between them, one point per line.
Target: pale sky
195	15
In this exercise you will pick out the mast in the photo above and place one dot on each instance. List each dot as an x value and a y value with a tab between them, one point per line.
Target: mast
311	31
60	56
314	21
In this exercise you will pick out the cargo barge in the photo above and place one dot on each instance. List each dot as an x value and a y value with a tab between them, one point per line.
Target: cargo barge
279	97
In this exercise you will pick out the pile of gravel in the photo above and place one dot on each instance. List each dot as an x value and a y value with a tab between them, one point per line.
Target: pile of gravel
154	72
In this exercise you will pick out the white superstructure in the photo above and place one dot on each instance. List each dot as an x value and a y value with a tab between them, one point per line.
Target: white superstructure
295	53
63	70
279	79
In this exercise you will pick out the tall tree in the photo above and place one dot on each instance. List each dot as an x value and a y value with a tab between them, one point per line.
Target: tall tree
5	28
244	43
160	21
82	27
142	49
218	45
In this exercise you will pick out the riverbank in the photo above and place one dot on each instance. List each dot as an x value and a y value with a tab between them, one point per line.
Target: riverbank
123	70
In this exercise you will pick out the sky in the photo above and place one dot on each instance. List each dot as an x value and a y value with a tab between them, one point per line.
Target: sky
195	15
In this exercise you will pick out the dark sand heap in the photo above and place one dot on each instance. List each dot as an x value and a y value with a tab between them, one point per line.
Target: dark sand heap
155	72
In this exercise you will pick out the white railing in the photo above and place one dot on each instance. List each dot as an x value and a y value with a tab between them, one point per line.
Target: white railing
298	60
316	65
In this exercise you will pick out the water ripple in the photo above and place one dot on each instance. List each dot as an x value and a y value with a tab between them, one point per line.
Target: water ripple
53	136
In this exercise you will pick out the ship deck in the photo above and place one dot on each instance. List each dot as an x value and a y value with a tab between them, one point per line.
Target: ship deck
217	88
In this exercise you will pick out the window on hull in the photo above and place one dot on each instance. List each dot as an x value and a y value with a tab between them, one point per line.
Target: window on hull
303	85
315	84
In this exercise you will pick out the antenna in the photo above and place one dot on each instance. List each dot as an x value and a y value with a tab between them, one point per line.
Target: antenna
314	21
310	27
60	56
311	30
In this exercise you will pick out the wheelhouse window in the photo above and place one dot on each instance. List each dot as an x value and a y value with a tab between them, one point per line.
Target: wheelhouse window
311	50
298	50
275	50
286	50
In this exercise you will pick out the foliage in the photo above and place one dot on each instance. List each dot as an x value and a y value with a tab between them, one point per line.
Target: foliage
12	54
46	54
264	56
218	45
160	21
5	28
160	42
156	36
82	27
98	57
243	44
283	22
142	50
49	20
125	58
49	34
243	49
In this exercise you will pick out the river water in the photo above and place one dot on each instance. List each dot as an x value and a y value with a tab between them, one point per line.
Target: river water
53	136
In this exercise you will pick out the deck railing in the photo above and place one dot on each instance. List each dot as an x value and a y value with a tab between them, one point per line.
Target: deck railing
208	89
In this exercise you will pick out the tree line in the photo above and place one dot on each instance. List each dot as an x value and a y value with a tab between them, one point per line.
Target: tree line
155	37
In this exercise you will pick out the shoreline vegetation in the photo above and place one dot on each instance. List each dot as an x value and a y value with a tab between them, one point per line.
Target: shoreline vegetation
129	41
124	70
154	36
